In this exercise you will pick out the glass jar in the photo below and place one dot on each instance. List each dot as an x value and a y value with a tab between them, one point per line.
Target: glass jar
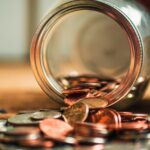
106	38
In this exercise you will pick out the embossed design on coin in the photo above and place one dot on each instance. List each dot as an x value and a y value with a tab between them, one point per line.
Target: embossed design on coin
76	113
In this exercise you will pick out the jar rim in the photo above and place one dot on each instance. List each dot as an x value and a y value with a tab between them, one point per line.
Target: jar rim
48	83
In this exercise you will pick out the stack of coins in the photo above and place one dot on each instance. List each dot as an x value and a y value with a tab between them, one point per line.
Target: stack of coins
86	120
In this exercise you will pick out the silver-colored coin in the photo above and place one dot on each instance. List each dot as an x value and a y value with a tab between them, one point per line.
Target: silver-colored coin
45	114
4	129
90	140
3	122
22	119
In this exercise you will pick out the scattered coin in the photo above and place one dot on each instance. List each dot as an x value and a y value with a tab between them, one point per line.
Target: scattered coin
76	113
55	129
38	143
22	119
106	116
45	114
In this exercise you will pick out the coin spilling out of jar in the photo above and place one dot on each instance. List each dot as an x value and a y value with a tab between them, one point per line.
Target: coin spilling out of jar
73	126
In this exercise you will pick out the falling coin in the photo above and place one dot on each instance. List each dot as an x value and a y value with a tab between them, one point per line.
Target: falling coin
76	113
45	114
55	129
95	103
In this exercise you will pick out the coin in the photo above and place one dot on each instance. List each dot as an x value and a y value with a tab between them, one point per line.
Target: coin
90	133
22	119
24	131
134	126
55	129
86	129
76	113
94	103
45	114
3	122
106	116
74	98
75	90
38	143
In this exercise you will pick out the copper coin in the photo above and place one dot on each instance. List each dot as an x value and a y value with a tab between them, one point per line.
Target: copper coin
74	98
90	130
76	113
94	103
134	126
75	90
106	116
55	129
140	118
39	143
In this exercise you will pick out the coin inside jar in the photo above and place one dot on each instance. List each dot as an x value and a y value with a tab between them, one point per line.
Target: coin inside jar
94	103
76	113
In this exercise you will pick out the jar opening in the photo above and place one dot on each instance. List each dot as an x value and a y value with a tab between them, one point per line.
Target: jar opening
87	39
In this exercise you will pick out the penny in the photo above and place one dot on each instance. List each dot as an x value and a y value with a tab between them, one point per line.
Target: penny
90	85
76	113
85	129
94	103
90	133
45	114
134	126
37	143
106	116
22	119
55	129
75	90
74	98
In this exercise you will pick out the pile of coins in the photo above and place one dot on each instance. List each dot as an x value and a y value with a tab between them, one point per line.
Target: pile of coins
84	121
75	125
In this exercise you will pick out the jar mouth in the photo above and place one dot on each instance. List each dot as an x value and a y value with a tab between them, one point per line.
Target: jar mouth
45	76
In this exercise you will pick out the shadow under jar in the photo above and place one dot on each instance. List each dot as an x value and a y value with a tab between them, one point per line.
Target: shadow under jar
104	38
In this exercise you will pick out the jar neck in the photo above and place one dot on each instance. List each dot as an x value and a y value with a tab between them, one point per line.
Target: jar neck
38	56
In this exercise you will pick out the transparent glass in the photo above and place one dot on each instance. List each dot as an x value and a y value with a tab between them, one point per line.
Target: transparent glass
109	39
